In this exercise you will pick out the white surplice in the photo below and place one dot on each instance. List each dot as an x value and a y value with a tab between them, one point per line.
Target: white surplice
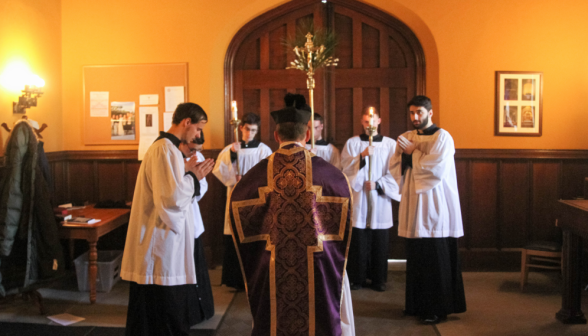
382	205
430	199
198	223
328	153
159	248
347	319
226	171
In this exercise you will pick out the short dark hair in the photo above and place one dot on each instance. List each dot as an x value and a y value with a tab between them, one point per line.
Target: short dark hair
420	101
189	110
251	119
291	131
318	117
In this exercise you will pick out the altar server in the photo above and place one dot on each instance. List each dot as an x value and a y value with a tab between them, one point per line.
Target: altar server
368	254
158	257
323	148
201	301
429	216
248	152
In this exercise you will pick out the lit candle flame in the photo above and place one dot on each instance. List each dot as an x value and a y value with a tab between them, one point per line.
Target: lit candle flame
371	117
234	109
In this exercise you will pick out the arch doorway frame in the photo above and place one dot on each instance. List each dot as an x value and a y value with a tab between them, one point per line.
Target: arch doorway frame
273	14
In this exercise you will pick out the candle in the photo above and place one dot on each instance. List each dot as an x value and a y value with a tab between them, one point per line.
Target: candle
234	109
371	117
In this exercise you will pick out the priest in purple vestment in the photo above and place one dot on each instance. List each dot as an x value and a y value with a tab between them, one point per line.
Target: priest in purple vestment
291	225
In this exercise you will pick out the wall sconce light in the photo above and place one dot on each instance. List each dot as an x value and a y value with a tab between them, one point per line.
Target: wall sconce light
28	98
17	75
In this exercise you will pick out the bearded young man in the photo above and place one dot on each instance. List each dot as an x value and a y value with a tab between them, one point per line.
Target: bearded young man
429	217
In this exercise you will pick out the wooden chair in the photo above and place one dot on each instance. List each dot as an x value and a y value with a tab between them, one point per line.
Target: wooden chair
540	254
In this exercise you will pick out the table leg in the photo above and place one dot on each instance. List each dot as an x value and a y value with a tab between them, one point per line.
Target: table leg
92	270
71	252
571	312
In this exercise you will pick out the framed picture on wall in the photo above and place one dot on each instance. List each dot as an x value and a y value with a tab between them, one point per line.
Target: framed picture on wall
519	103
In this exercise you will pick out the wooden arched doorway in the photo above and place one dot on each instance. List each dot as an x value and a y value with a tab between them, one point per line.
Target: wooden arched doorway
381	64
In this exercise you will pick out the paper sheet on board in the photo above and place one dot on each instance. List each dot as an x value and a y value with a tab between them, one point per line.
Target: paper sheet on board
174	95
167	120
99	106
149	128
150	99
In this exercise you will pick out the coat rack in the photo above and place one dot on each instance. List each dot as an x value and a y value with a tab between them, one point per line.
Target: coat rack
37	131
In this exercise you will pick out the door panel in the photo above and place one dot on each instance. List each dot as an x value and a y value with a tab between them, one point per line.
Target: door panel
381	64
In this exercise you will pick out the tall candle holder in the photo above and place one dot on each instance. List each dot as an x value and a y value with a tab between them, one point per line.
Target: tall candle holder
371	131
308	59
235	122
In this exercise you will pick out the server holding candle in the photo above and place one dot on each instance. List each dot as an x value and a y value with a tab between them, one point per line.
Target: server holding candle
365	159
233	162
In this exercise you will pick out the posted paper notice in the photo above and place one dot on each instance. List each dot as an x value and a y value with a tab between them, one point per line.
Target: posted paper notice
151	99
167	120
174	95
149	128
99	106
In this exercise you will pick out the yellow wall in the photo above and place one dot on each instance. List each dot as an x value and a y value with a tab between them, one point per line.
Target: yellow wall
465	42
30	32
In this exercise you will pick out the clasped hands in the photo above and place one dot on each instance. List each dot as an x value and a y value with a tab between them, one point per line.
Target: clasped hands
200	169
406	145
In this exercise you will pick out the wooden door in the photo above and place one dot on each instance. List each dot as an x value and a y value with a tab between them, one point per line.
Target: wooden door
381	64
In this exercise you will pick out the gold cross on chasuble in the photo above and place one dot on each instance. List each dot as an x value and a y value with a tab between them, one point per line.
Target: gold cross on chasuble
294	219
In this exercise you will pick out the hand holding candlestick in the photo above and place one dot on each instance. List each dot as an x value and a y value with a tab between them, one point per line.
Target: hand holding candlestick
371	131
235	123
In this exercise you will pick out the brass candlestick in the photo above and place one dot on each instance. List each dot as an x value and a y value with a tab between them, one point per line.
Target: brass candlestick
308	59
371	131
235	123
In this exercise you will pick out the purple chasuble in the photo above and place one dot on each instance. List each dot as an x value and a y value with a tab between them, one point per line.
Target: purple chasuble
291	223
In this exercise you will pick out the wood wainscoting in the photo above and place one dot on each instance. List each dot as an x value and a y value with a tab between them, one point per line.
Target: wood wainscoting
93	176
508	197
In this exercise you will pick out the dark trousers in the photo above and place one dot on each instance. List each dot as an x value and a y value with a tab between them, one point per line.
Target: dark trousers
434	285
158	310
232	275
201	301
368	256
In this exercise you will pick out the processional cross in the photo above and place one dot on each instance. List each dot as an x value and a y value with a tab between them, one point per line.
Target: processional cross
294	220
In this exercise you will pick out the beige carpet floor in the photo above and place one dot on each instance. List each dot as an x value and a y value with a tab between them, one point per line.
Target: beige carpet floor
496	307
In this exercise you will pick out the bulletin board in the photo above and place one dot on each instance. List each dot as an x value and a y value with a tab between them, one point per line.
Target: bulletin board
126	83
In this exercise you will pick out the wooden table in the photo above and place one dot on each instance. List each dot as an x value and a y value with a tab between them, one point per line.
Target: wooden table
110	220
573	221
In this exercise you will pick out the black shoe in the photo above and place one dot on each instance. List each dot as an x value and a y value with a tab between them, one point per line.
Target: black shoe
379	288
355	286
433	319
406	313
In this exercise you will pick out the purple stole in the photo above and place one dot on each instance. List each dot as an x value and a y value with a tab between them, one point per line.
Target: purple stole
291	223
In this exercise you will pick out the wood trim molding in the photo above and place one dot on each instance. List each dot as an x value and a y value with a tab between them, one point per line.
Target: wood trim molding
126	155
92	155
460	153
555	154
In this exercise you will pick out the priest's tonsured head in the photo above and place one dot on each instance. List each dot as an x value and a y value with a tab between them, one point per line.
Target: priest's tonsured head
292	124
